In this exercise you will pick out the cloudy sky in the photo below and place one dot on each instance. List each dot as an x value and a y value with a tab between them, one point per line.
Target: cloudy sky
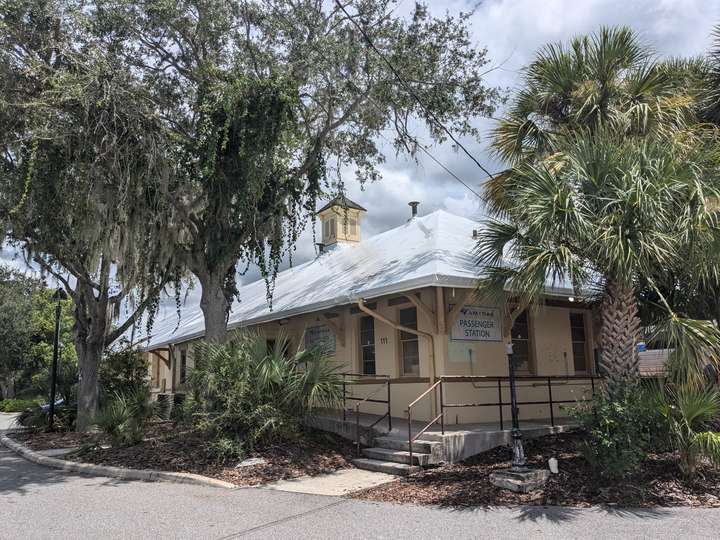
512	30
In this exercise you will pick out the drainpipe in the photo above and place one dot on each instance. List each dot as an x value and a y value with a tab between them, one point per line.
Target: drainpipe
433	376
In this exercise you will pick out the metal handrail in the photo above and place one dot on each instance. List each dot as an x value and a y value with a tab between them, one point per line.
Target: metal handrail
367	399
547	381
440	417
345	383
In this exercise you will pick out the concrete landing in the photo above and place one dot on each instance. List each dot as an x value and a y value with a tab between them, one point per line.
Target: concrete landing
338	483
460	441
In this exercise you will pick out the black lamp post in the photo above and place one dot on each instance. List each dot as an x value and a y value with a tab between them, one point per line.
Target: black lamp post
518	459
59	296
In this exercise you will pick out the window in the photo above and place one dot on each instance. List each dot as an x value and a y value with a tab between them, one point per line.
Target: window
579	342
320	336
329	229
367	345
521	342
183	366
409	351
349	226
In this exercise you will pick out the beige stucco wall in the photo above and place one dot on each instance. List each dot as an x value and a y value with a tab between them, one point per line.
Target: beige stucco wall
551	347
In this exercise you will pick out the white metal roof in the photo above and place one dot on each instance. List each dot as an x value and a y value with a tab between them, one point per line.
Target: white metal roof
433	250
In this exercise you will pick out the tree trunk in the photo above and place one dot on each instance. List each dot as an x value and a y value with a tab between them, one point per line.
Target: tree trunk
91	324
619	335
214	304
89	357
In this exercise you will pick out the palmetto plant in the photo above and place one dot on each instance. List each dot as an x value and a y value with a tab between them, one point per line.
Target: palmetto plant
125	414
610	181
252	394
689	403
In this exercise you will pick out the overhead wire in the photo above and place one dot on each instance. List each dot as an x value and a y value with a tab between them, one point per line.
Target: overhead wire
410	90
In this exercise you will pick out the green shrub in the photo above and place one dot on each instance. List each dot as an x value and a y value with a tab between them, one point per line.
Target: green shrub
245	396
17	405
689	406
182	412
124	370
124	416
618	432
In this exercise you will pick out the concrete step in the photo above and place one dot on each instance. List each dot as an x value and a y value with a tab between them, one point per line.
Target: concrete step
389	467
420	446
397	456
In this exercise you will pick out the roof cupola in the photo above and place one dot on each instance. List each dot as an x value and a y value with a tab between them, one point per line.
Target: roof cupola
340	219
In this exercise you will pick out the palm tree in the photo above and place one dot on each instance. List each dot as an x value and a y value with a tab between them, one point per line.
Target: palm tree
607	80
608	183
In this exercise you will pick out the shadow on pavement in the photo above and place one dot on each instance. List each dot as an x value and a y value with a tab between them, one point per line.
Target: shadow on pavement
561	514
19	476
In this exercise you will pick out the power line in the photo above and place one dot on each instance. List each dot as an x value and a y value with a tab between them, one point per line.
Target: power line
413	139
428	112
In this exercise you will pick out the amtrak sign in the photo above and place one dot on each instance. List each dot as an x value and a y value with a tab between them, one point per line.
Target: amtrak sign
478	323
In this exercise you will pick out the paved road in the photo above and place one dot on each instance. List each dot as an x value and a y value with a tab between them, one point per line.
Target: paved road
36	502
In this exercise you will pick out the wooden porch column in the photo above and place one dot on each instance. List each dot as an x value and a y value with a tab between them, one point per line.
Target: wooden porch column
440	340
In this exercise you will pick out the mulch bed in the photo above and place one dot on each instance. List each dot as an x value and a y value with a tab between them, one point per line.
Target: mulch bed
171	447
657	482
40	440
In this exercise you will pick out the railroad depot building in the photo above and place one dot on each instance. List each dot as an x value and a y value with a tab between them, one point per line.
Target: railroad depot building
399	310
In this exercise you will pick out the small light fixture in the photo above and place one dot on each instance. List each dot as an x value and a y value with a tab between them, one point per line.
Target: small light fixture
571	298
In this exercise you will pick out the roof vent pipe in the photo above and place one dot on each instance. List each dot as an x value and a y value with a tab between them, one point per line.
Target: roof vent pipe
475	234
414	205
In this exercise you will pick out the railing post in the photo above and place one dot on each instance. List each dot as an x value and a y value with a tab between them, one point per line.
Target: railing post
357	429
500	404
344	400
592	385
552	415
442	410
389	408
410	441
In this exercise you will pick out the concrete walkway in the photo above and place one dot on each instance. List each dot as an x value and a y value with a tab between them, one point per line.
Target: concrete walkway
36	502
338	483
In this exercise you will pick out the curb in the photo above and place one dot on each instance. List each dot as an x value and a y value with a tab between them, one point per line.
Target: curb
145	475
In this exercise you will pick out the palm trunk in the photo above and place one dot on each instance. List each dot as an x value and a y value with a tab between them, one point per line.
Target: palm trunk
619	335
